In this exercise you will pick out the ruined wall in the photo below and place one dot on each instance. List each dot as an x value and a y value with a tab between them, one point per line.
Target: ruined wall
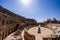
10	22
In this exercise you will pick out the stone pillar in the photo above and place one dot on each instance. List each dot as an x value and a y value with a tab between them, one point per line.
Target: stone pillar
10	30
0	36
4	33
7	32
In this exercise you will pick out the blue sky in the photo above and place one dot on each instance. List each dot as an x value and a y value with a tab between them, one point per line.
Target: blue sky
39	10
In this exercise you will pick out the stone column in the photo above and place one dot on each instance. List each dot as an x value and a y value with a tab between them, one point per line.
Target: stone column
0	36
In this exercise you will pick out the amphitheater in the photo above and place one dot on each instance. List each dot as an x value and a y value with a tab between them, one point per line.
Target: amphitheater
35	33
16	27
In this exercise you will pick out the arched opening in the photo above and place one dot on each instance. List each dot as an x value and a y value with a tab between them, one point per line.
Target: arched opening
3	22
17	25
9	31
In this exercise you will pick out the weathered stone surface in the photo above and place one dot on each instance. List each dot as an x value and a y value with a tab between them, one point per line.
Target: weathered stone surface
10	22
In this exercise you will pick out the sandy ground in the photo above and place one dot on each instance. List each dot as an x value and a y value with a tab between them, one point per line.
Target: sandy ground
10	37
45	32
